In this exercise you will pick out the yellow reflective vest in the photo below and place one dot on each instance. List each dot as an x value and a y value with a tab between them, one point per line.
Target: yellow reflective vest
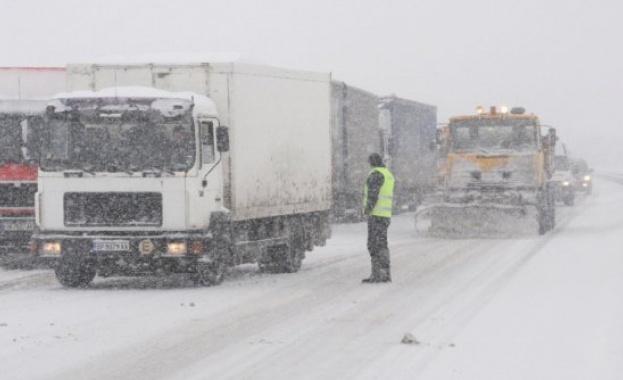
383	206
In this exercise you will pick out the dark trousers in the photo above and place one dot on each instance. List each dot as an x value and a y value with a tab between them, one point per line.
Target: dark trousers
377	246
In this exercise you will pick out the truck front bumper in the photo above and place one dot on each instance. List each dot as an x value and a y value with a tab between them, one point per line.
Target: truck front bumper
15	233
126	253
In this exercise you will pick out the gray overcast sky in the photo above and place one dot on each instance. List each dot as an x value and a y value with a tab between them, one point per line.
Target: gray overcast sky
560	59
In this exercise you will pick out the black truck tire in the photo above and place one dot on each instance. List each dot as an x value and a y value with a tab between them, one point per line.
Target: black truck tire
287	258
74	272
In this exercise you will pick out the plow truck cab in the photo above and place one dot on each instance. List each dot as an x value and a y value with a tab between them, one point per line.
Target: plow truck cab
495	170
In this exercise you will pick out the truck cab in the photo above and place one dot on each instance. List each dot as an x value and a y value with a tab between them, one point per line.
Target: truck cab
126	173
20	122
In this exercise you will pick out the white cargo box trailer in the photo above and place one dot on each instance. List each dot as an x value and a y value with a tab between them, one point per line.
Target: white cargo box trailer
264	197
31	82
280	158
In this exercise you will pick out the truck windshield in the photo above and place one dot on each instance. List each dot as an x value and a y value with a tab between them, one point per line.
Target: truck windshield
487	136
16	134
117	134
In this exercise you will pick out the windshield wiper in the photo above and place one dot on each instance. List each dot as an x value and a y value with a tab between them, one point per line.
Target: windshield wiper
113	168
156	171
78	171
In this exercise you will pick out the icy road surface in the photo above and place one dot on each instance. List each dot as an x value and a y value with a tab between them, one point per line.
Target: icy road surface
529	307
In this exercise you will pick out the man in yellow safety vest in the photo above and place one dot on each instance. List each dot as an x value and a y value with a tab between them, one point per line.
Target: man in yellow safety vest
377	209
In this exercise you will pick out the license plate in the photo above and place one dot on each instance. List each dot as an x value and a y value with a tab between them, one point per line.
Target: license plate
111	245
18	226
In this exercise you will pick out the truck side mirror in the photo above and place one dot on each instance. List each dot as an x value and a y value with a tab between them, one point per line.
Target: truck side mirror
552	136
222	138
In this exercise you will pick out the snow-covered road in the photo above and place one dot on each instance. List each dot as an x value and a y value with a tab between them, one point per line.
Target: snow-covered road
531	307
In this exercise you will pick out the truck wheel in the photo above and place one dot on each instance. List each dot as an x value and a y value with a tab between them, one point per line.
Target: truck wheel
210	274
551	208
287	258
74	273
547	210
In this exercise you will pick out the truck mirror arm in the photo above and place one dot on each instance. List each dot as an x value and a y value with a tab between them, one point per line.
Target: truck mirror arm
204	182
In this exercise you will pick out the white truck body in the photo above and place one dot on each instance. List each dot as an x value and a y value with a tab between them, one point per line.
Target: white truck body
277	169
31	82
280	159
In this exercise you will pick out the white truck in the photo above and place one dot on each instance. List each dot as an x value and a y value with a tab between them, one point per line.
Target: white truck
183	168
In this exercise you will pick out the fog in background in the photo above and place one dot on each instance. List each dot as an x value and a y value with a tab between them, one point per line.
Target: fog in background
560	60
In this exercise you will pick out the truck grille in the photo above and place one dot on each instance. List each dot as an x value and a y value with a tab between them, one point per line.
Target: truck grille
18	196
112	209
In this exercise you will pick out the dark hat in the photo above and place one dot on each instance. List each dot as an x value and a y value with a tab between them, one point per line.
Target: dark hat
375	159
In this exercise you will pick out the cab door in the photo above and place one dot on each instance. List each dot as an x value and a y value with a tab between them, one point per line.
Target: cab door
205	193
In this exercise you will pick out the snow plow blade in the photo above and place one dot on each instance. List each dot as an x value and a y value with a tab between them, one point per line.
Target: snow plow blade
477	220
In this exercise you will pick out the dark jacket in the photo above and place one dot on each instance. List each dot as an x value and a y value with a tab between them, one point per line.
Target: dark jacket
375	182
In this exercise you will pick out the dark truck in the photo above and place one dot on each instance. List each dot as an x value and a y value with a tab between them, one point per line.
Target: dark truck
409	128
401	130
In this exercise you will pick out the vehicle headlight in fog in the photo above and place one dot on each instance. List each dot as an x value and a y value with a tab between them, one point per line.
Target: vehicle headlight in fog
51	248
566	183
176	248
587	177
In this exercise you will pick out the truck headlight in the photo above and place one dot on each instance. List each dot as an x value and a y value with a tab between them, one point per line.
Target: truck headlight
176	248
587	177
565	183
51	248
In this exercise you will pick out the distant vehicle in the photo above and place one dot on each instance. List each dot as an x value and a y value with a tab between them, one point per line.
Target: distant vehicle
233	167
409	127
355	134
23	91
583	175
564	181
20	121
495	167
401	130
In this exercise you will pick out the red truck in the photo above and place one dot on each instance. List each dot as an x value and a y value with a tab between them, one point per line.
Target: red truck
23	97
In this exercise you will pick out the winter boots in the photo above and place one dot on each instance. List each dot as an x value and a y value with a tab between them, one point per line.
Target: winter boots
380	268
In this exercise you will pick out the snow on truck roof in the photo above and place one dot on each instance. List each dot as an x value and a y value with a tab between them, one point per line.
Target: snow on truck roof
172	58
203	104
22	106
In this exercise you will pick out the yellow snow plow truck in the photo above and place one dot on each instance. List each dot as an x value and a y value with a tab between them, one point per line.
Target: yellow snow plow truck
494	173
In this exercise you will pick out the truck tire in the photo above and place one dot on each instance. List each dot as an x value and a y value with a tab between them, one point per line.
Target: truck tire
546	211
74	272
213	273
287	258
